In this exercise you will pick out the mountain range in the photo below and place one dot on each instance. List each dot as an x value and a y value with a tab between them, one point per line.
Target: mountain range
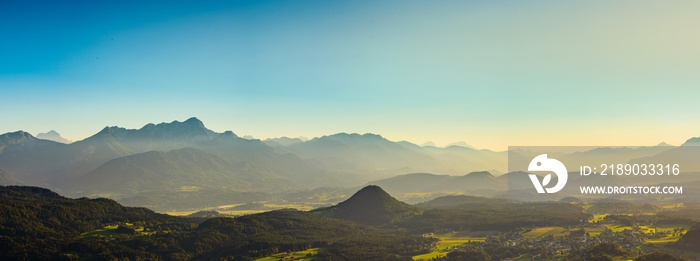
374	154
169	157
119	161
149	157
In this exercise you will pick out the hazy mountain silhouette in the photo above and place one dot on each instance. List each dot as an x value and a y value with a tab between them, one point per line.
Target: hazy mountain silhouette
163	136
53	164
212	160
457	160
52	135
460	144
337	160
115	142
30	159
685	156
609	155
462	202
371	205
283	141
695	141
472	183
7	179
428	144
519	159
163	171
166	156
368	153
268	161
379	157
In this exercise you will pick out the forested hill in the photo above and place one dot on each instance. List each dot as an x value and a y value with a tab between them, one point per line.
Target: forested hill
372	206
38	224
35	222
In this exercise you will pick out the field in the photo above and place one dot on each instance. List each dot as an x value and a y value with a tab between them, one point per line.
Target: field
453	239
108	231
308	254
594	231
545	231
101	232
598	217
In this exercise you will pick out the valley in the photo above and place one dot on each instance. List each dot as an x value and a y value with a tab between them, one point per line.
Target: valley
371	224
179	191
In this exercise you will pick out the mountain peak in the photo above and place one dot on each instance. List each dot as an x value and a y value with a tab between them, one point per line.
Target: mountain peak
16	137
479	174
372	135
110	129
428	144
53	136
373	190
459	144
371	205
228	133
195	121
191	123
190	129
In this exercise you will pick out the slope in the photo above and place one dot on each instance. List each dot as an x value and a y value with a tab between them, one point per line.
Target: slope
115	142
159	171
30	159
37	223
473	183
7	179
368	153
463	202
260	157
372	206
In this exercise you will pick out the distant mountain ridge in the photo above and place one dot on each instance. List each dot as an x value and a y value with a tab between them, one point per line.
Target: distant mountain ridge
7	179
283	141
53	136
695	141
30	159
374	154
462	202
162	171
166	156
338	160
53	164
162	136
472	183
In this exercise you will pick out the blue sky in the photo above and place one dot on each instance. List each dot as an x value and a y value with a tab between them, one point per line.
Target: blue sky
489	73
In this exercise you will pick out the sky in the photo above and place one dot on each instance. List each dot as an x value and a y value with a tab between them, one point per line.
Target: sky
490	73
